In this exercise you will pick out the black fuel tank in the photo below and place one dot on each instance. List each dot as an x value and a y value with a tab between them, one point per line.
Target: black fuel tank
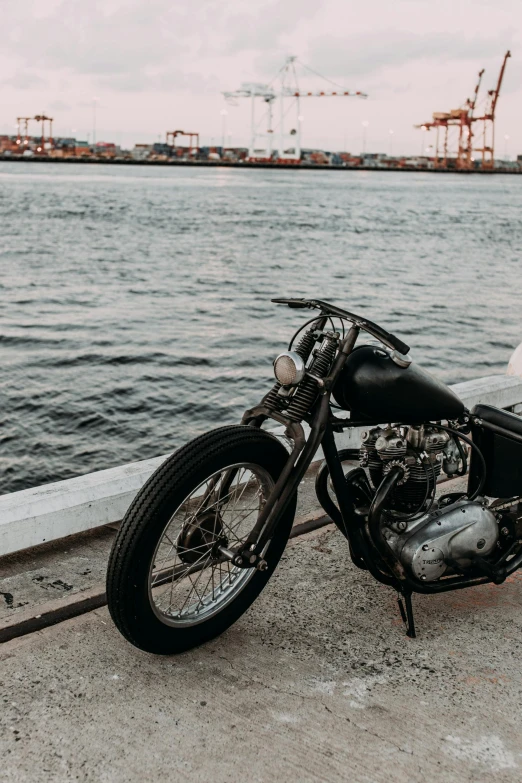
373	386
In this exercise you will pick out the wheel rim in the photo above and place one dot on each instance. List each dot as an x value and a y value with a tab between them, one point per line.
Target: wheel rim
189	580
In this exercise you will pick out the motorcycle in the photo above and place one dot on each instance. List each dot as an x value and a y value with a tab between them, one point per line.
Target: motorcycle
205	533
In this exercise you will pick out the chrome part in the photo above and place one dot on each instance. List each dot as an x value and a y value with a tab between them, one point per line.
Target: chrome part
451	454
400	464
453	535
400	359
289	368
191	576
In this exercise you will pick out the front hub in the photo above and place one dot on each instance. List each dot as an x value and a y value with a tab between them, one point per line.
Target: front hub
201	537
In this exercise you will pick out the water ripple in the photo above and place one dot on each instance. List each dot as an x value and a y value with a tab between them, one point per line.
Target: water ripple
135	303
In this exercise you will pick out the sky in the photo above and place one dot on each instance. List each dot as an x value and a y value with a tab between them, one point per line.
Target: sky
148	66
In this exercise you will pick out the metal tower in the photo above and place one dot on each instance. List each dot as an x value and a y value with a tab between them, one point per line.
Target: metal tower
289	94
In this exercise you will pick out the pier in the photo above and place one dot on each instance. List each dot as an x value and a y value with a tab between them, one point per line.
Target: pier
317	682
231	164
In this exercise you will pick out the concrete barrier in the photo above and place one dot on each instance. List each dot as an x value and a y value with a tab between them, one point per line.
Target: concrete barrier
35	516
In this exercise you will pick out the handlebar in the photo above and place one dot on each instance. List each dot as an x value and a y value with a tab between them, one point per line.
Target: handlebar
369	326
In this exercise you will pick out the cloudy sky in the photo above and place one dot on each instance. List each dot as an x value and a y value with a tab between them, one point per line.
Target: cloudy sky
154	65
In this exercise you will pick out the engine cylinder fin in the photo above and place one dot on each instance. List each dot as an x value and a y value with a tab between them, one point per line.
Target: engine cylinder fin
382	447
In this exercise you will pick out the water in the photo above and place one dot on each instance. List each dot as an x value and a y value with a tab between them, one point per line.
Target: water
135	303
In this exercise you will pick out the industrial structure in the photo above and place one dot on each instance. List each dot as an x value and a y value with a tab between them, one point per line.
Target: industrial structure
289	141
275	136
171	137
460	122
24	121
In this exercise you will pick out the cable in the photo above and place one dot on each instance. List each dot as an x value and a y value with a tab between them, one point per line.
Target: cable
335	84
311	320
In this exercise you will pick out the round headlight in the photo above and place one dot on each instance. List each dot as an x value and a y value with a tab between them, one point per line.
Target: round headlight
289	368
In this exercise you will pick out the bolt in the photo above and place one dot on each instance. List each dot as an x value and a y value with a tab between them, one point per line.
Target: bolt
425	548
252	559
252	547
504	531
401	525
481	543
423	577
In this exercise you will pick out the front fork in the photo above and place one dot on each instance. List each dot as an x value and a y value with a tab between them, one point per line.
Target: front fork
303	451
298	462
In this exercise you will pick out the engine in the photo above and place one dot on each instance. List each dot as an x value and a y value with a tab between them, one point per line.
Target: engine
421	451
448	539
432	543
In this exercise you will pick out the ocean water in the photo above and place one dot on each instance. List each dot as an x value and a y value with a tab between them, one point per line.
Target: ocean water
135	303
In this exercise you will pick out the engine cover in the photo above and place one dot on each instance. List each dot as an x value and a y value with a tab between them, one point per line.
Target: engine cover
458	533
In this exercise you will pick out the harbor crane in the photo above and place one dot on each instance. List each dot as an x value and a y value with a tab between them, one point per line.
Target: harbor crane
463	120
43	119
288	88
25	122
488	120
172	136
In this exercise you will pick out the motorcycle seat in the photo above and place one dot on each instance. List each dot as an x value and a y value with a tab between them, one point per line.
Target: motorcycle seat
509	421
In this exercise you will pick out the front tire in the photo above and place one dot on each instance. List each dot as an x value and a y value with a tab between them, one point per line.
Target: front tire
168	588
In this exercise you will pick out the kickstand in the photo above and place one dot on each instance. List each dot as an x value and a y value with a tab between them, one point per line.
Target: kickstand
407	614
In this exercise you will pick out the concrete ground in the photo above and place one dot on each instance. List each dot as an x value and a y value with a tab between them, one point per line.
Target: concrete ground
60	572
317	682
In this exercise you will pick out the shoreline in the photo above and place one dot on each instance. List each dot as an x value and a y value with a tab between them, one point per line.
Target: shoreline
249	165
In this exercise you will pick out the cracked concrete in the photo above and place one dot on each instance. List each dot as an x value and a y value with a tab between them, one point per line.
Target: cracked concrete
317	682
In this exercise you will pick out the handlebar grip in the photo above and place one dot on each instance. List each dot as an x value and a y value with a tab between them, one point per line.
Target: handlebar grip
400	346
294	303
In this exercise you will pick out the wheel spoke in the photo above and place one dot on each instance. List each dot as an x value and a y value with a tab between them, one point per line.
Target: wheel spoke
197	581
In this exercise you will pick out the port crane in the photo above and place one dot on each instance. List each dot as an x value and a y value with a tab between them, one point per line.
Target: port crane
172	136
43	118
25	122
488	120
288	89
463	120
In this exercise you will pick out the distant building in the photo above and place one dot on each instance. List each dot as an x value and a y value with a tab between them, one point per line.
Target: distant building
142	151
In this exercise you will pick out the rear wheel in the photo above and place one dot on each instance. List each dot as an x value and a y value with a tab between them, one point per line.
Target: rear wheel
169	587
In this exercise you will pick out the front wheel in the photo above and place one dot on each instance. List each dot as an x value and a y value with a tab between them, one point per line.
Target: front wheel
169	587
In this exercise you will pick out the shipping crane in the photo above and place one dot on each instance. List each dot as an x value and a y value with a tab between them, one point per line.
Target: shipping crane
254	90
463	119
43	119
25	121
288	90
488	120
172	136
465	151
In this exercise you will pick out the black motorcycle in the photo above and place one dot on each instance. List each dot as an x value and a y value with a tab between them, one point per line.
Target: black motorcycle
205	533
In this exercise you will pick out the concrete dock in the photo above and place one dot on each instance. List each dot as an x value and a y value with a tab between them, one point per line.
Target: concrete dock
317	682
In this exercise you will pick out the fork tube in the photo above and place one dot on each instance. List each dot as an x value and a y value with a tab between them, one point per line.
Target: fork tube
293	471
288	481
